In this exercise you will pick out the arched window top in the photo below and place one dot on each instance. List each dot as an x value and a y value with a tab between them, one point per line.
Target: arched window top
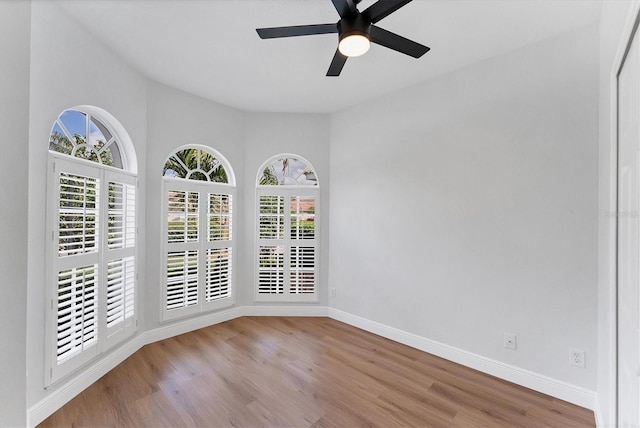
201	163
287	170
92	134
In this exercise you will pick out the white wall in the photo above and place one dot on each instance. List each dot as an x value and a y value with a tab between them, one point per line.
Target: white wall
176	118
466	206
616	19
15	27
69	68
269	134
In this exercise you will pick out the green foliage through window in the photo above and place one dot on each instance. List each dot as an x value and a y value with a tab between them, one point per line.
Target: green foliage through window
195	164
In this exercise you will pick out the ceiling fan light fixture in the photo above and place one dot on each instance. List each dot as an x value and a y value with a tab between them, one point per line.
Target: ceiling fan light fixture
354	45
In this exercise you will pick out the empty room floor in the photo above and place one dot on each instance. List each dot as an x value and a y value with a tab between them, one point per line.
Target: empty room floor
303	372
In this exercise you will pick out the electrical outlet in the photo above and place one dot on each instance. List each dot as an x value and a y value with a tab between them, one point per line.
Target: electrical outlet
576	357
333	292
510	341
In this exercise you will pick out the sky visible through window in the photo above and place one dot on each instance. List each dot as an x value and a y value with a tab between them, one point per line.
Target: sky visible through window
81	135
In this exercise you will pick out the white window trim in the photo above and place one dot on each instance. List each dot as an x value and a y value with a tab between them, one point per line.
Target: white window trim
106	340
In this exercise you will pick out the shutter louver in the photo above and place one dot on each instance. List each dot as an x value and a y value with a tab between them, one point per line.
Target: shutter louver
76	310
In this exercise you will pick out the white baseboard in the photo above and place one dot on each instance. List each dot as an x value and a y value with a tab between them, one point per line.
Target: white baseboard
73	386
285	311
544	384
175	328
598	413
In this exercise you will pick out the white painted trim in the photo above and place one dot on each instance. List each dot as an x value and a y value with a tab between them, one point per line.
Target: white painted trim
285	311
171	329
612	346
546	385
598	414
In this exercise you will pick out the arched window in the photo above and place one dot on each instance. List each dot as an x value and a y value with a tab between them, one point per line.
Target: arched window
92	225
287	230
198	195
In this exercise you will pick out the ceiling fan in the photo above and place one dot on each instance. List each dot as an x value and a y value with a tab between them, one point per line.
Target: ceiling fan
356	31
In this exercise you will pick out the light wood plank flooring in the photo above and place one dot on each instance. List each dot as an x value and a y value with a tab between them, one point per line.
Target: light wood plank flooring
303	372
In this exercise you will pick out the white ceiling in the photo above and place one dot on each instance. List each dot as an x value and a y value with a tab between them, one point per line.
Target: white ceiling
210	47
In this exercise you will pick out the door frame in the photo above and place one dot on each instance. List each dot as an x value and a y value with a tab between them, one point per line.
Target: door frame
630	29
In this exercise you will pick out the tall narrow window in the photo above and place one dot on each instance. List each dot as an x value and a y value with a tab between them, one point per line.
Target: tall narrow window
286	223
92	224
198	193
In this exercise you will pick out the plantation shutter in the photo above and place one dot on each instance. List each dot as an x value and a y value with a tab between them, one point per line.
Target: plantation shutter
303	246
198	243
120	276
92	260
76	197
218	247
271	227
287	245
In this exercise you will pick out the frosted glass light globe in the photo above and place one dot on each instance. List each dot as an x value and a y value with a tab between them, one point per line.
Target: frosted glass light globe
354	45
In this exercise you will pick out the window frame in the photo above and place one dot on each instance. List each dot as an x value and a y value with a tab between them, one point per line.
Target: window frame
204	189
288	192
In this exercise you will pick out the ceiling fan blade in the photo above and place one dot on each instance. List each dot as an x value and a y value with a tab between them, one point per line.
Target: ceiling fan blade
345	7
296	30
397	43
383	8
336	64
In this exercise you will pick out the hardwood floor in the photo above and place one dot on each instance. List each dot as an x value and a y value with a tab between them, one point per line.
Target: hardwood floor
303	372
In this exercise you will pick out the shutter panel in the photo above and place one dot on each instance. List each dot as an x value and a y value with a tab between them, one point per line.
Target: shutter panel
120	291
76	311
182	216
78	214
120	268
271	222
219	217
271	270
303	266
122	215
303	209
218	280
182	279
303	252
219	251
271	227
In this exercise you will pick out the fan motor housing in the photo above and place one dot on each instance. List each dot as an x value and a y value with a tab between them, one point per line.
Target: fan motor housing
357	25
